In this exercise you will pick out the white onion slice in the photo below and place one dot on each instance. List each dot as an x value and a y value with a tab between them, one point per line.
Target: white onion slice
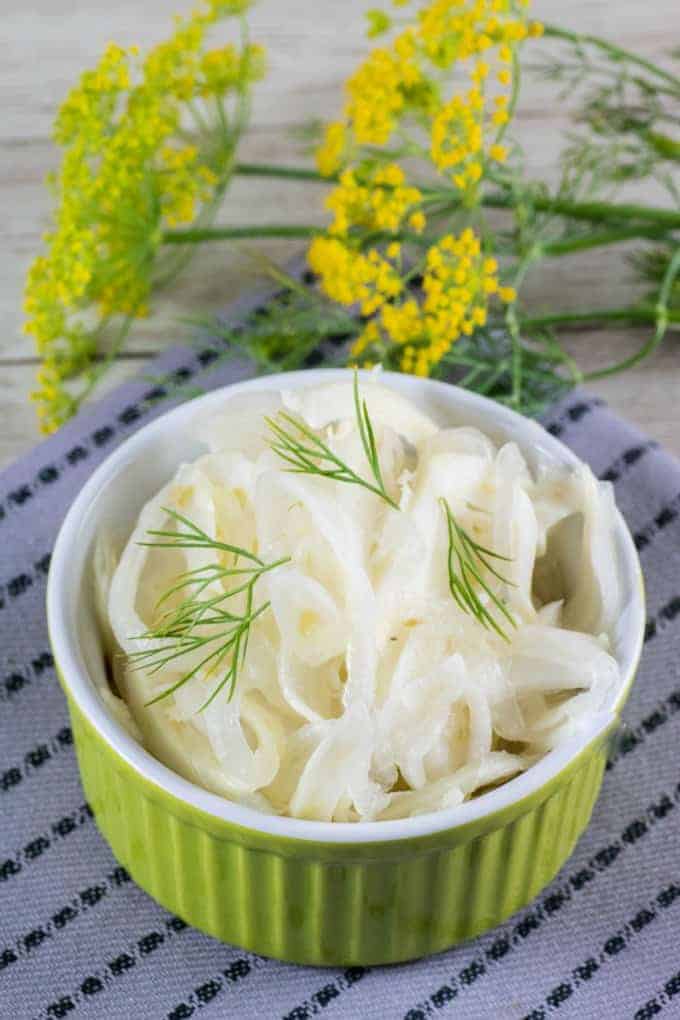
367	692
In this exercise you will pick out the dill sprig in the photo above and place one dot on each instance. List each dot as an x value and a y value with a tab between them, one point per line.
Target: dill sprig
307	454
466	561
204	624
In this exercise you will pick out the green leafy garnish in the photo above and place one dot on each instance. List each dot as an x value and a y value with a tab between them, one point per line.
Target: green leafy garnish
466	561
204	624
307	454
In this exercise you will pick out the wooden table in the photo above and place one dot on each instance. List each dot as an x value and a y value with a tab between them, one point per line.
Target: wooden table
312	46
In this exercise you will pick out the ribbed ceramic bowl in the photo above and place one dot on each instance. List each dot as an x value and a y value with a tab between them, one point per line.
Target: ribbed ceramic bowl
317	892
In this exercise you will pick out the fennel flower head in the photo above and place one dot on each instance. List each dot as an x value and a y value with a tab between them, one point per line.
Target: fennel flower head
147	144
442	90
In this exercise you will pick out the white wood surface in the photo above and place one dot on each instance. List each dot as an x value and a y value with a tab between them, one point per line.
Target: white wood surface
312	46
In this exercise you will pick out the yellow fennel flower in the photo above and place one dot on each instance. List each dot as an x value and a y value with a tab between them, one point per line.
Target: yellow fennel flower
378	23
414	331
329	155
406	101
417	221
456	285
456	134
451	31
369	336
401	87
377	200
185	183
387	84
402	322
229	68
127	173
351	277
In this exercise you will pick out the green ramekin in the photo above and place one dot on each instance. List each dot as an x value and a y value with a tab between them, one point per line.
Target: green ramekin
317	892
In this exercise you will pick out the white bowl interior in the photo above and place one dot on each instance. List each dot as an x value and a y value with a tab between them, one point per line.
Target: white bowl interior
118	489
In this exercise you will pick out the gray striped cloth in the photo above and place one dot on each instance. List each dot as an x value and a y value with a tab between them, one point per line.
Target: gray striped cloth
79	939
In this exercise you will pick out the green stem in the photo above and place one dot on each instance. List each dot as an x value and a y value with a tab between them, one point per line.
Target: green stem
222	117
598	212
199	234
514	95
295	173
617	52
664	146
568	245
661	317
565	246
630	314
512	323
198	117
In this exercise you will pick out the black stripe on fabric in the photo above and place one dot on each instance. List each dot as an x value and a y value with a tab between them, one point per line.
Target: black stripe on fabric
18	680
627	460
21	583
326	995
632	737
46	476
612	946
210	989
666	615
207	356
509	937
87	898
667	515
34	849
661	1000
573	414
104	977
35	758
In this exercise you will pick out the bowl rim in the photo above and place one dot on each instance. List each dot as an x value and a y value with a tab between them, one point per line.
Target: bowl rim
75	677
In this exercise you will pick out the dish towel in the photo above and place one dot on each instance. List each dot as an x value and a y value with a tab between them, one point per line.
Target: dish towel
78	939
